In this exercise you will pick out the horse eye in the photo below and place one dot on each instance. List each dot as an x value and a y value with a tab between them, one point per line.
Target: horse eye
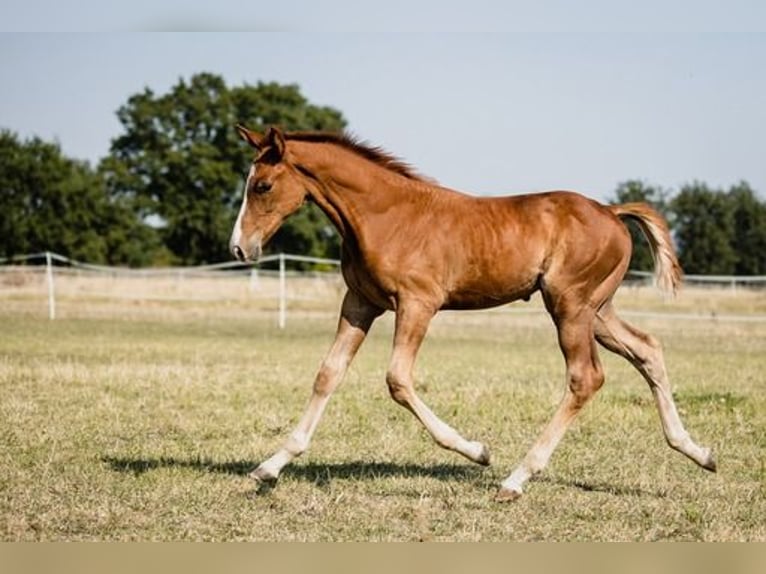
262	186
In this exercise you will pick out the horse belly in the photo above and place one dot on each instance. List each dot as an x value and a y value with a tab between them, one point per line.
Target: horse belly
491	291
497	264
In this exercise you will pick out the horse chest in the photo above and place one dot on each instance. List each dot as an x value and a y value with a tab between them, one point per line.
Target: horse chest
362	281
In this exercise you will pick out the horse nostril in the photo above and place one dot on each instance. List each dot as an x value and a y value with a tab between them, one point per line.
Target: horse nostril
238	253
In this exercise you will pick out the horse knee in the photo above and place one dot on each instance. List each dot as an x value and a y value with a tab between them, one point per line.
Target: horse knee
584	383
399	389
598	377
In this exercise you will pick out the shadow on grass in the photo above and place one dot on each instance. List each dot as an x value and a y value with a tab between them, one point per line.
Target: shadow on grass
312	472
322	473
605	487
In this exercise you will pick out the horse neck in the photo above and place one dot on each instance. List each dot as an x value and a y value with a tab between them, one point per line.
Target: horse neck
351	190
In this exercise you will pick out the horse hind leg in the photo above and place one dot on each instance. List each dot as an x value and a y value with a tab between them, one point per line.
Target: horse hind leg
645	353
584	376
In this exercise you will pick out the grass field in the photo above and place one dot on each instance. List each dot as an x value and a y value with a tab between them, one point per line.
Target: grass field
143	426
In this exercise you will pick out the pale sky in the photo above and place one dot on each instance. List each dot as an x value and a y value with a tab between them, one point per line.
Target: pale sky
505	100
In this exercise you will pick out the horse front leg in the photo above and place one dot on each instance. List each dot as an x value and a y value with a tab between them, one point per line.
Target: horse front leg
356	318
412	322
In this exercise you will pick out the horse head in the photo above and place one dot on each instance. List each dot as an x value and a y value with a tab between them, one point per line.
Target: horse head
273	190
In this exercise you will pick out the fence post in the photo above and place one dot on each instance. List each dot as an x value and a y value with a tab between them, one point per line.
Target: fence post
49	279
282	292
255	281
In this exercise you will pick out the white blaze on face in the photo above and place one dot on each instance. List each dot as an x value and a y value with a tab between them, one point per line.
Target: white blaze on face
236	234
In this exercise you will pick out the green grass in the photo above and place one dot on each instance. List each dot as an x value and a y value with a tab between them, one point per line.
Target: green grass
145	429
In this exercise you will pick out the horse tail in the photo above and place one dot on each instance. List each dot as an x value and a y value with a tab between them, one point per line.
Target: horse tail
667	269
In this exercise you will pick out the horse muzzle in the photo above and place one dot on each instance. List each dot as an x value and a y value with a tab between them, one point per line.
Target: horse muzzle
248	252
236	250
245	247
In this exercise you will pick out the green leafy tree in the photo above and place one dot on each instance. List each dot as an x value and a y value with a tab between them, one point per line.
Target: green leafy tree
749	230
704	227
181	164
638	191
49	202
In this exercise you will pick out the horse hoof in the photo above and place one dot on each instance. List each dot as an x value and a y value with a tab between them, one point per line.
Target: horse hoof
507	495
262	475
710	463
484	457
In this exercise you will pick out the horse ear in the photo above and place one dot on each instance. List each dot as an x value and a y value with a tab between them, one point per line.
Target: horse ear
276	139
251	137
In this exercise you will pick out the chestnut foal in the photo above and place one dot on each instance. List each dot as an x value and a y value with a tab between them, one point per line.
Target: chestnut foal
412	247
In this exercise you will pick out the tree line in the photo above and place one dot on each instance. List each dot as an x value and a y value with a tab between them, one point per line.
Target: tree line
168	191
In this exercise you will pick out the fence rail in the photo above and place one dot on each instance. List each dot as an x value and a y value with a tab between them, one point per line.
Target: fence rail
732	281
55	265
271	280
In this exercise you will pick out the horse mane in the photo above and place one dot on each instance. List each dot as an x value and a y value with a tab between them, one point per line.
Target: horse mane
353	144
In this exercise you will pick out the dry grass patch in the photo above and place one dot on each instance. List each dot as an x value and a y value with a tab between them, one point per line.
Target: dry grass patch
145	428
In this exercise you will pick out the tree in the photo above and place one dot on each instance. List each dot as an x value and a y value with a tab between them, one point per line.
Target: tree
49	202
704	227
182	165
633	191
749	230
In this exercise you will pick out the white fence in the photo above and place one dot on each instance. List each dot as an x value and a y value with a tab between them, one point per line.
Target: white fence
731	281
57	283
20	276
